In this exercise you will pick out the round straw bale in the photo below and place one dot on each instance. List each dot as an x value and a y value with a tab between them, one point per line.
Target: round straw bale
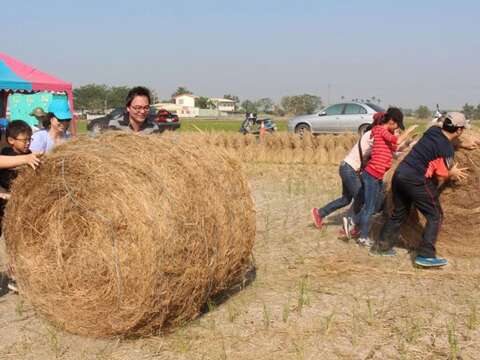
129	235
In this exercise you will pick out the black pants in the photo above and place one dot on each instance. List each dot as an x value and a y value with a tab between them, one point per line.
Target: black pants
425	196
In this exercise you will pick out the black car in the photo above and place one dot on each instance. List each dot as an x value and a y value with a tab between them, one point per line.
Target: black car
165	120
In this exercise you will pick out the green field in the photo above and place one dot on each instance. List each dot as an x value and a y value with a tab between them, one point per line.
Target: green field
233	125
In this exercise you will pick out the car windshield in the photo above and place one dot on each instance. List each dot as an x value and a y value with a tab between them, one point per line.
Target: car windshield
377	108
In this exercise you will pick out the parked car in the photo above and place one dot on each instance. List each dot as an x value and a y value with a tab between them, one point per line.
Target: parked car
164	119
343	117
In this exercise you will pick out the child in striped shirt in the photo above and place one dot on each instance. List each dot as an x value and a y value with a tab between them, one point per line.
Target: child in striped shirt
384	145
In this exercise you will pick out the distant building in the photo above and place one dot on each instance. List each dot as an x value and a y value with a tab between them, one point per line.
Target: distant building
186	105
223	105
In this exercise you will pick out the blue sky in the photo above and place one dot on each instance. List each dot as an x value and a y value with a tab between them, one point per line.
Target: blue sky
406	53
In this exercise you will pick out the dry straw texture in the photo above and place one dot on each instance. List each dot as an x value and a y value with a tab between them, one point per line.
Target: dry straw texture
279	148
127	235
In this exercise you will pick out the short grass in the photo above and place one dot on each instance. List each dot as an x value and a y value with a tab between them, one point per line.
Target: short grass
233	124
228	125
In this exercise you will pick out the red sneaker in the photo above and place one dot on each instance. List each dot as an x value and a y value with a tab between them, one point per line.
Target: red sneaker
317	219
355	232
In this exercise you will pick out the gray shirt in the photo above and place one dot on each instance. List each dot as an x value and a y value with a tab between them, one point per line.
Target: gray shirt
121	122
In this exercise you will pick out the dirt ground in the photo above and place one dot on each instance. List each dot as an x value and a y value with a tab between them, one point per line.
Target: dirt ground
315	296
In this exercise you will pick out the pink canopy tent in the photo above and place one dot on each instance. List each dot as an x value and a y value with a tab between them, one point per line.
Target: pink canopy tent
16	76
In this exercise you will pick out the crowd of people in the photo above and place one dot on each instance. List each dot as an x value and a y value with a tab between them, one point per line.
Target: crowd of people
26	145
415	182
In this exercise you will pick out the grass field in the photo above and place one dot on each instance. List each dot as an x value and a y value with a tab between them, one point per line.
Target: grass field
229	125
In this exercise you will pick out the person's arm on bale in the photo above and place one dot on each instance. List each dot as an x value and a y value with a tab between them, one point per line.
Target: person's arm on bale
32	160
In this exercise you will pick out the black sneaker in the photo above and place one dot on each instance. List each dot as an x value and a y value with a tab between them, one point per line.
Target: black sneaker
3	283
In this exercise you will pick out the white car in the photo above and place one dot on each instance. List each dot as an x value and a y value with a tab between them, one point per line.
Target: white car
343	117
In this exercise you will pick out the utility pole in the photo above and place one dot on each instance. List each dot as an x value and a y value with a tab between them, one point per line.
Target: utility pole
328	94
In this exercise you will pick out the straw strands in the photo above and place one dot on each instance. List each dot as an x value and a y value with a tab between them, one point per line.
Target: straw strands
126	235
279	148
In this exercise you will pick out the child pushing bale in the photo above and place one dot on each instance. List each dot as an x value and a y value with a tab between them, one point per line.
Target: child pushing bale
461	207
460	200
126	235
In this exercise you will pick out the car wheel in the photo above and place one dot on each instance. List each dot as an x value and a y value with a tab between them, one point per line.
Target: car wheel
97	128
302	129
362	129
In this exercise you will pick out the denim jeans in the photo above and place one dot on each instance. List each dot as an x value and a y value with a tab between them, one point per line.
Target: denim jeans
372	190
350	187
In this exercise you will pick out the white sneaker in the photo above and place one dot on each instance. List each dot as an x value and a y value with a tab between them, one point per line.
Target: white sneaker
12	287
346	227
365	242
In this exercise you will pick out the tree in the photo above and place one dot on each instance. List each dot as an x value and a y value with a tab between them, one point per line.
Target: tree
469	111
476	114
204	102
265	105
301	104
249	106
422	112
154	96
181	90
116	96
91	97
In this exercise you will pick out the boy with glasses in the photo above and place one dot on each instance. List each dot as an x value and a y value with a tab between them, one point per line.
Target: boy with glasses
19	136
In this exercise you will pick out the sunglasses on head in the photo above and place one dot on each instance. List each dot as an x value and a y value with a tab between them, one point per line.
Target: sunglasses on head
63	120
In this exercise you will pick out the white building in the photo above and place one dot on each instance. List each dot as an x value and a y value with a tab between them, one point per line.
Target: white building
223	105
186	105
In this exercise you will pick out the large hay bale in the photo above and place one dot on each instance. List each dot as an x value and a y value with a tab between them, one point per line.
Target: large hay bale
459	234
127	235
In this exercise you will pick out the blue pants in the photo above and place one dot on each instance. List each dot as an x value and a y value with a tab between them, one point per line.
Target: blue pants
350	187
372	190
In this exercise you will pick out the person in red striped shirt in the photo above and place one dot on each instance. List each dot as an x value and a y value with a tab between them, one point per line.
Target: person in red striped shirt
384	145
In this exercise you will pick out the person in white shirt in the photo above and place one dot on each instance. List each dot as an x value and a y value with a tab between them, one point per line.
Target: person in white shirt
55	124
349	173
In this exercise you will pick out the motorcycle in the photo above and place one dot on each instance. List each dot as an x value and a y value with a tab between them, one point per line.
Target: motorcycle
437	118
253	125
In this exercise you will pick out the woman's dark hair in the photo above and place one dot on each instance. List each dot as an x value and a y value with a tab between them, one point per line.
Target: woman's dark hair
137	91
394	114
46	120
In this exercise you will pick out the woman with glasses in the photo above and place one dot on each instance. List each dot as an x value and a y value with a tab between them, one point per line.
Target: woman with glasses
136	116
55	125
